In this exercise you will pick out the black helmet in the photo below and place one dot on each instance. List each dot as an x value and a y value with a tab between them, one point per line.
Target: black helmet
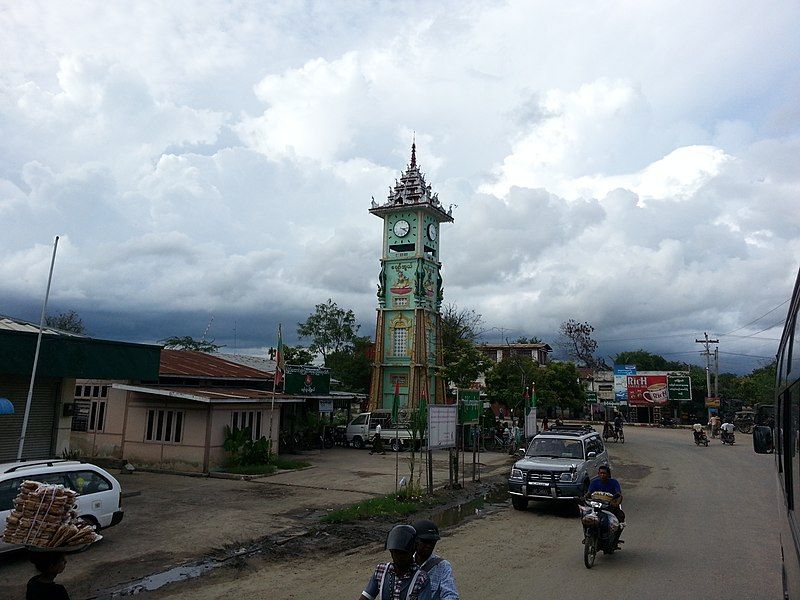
401	537
427	530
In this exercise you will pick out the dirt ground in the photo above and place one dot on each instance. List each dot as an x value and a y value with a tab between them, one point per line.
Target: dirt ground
699	526
173	519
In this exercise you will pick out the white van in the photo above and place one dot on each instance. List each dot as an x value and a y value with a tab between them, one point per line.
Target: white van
99	500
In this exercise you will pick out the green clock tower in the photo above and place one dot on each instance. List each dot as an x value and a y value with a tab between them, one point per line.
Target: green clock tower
408	356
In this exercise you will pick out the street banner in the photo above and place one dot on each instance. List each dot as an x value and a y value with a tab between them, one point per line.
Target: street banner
442	422
679	387
306	380
469	406
647	390
712	402
621	373
326	406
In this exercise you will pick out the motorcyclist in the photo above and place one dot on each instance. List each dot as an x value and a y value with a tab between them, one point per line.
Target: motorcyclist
698	432
727	429
402	577
618	421
608	485
607	431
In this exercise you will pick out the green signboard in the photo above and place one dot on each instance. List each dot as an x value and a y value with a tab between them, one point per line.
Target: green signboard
679	387
591	397
469	406
305	380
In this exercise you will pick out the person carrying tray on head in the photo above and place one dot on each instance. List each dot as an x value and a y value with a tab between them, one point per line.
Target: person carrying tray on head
42	586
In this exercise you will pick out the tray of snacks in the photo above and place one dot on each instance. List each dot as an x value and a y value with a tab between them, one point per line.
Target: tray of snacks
44	520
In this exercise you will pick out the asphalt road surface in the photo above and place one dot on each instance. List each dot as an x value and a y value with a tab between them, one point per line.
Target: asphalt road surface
701	524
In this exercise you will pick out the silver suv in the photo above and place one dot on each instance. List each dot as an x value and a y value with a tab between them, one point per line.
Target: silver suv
558	465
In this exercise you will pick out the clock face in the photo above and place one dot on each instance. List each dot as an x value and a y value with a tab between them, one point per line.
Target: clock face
432	232
401	228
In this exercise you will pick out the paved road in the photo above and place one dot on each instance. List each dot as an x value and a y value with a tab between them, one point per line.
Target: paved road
701	525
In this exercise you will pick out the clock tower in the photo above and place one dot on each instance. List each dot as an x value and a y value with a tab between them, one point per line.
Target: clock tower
408	356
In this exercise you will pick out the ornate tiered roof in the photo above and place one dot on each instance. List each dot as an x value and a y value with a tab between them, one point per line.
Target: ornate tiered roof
412	191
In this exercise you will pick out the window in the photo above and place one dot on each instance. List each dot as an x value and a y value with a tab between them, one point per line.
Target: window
97	416
104	391
164	426
248	419
400	342
359	420
10	487
87	482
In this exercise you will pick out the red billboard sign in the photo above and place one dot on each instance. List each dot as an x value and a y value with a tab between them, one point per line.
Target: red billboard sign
647	390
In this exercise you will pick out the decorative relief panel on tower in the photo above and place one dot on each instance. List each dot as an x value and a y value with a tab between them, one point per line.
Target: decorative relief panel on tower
400	282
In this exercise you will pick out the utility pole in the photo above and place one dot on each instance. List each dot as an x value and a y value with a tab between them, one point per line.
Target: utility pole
716	378
707	353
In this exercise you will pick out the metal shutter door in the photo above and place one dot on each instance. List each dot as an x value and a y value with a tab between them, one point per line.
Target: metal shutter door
39	437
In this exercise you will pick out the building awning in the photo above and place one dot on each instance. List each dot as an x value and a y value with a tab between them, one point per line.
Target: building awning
212	395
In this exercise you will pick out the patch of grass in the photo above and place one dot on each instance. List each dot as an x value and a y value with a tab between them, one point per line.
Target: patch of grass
288	463
382	506
275	463
249	469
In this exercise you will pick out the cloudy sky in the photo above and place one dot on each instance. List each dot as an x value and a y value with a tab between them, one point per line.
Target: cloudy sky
630	164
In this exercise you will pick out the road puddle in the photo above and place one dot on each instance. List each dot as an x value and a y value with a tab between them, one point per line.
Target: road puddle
153	582
493	499
196	569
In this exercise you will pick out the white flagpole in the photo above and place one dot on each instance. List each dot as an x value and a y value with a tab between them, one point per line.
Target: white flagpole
36	355
274	377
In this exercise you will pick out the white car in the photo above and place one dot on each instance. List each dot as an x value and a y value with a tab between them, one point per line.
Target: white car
99	500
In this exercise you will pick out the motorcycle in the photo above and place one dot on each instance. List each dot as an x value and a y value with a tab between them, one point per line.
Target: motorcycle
700	438
728	438
600	528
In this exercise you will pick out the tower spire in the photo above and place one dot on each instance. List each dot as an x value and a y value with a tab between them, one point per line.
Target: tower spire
414	150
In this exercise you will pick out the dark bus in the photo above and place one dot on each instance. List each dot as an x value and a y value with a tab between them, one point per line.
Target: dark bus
778	431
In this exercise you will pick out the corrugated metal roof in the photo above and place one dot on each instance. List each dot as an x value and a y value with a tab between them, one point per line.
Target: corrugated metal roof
187	363
12	324
255	362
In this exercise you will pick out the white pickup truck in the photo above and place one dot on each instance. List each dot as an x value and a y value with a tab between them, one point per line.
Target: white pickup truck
361	430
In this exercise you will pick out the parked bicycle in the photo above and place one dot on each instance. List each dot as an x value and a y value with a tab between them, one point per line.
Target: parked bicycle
499	443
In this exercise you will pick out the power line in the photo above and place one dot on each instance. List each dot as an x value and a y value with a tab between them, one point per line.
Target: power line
758	319
652	337
748	355
754	338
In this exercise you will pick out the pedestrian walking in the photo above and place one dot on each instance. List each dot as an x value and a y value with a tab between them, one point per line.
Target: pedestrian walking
401	579
377	442
544	423
439	570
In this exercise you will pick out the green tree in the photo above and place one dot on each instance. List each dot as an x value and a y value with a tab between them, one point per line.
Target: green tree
352	367
528	340
297	355
759	386
557	384
576	340
647	361
331	329
463	362
189	343
66	321
506	380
